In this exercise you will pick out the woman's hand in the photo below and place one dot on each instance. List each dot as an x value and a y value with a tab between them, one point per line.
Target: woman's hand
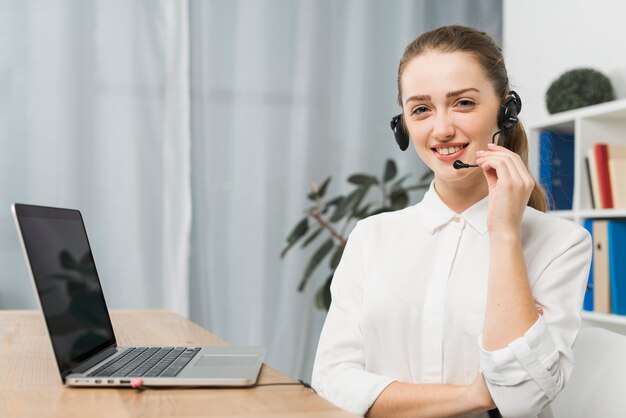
510	185
478	394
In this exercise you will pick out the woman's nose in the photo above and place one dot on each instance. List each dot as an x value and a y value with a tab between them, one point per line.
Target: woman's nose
443	126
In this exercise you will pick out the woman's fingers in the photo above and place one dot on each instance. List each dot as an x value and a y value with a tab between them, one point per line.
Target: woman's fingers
519	165
496	169
509	167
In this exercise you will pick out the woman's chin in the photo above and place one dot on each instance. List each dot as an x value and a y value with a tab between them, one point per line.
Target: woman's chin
451	174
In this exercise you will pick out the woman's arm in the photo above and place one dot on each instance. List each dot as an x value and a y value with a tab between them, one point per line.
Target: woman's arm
510	309
432	400
339	372
526	359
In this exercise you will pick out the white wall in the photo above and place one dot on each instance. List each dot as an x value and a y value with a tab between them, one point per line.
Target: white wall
543	39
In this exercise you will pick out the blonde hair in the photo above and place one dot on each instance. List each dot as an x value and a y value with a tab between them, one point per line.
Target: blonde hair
479	44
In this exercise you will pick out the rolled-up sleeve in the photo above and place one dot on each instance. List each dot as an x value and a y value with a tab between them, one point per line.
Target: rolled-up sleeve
339	372
524	377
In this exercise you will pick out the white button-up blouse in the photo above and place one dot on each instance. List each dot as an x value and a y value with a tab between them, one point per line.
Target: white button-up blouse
408	304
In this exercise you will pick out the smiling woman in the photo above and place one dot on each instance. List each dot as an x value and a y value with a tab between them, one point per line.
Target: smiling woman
469	300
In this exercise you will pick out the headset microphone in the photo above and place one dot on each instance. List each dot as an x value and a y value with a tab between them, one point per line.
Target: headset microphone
460	164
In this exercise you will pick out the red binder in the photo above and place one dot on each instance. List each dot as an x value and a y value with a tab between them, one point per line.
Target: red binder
602	162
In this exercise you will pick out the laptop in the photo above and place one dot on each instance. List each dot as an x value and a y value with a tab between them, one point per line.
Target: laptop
61	264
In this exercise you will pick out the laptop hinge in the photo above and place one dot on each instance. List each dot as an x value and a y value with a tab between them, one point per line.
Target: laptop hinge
92	361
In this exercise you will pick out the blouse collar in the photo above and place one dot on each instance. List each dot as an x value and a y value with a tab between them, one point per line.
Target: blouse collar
435	213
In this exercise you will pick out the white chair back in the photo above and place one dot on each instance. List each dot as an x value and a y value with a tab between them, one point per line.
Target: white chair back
595	387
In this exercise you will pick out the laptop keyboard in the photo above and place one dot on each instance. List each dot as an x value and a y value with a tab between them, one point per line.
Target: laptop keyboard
147	362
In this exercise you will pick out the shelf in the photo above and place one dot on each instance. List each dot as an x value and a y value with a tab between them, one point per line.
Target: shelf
567	214
602	213
604	318
605	122
580	215
615	109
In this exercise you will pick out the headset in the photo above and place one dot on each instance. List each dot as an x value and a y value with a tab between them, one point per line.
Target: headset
510	107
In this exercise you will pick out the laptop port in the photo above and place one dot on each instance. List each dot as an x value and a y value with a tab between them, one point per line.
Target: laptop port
124	381
98	381
111	381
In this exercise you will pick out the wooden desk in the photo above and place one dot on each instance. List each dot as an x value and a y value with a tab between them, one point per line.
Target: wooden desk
30	385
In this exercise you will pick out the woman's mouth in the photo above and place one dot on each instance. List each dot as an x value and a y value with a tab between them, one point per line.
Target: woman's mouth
449	152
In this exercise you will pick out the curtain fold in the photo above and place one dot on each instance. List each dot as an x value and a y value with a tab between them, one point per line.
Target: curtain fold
176	178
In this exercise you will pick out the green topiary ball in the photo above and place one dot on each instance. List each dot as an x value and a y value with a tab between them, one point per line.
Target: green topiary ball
578	88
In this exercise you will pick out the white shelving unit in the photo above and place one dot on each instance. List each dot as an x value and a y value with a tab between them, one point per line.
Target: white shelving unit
605	122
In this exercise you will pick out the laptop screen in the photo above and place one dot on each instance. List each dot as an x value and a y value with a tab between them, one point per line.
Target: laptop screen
65	276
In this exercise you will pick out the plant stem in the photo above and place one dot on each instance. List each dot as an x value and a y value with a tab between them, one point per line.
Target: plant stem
345	225
316	215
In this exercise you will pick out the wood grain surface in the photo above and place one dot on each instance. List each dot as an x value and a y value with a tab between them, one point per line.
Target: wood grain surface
31	386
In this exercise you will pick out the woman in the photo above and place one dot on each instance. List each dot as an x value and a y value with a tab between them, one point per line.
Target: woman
469	300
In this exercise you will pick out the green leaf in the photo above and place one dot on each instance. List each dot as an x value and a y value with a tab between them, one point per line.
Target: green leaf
399	199
323	296
362	212
342	207
358	199
312	237
362	179
334	261
323	187
298	232
315	260
348	203
317	192
390	170
333	202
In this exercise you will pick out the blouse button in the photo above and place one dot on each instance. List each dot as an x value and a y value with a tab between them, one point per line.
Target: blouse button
457	219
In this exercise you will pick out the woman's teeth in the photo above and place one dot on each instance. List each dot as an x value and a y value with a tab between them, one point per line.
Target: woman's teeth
449	150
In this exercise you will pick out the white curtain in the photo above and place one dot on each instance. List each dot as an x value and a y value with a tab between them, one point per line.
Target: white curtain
188	133
95	115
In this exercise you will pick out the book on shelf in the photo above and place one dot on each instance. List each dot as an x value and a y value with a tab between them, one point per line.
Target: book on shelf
601	285
606	169
606	285
592	175
588	301
604	180
617	265
617	173
556	168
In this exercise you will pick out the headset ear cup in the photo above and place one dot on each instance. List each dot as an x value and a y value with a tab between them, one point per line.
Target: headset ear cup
518	101
511	106
510	116
400	134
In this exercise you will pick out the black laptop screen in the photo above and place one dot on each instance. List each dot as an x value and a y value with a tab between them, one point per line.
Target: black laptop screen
67	283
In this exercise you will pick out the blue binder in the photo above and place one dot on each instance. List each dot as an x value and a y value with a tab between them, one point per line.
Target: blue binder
556	168
617	265
588	301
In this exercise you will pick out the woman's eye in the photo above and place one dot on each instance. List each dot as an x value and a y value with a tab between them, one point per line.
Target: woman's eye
419	110
465	103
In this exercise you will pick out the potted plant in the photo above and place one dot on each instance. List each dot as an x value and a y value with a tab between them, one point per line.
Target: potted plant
327	221
577	88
